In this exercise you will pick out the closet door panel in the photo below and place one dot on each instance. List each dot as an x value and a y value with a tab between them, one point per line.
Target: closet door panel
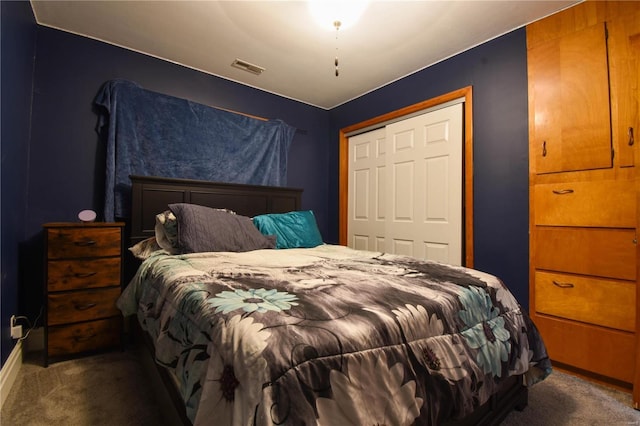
367	191
425	186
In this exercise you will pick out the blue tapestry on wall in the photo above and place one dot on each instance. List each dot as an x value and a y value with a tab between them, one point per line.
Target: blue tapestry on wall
152	134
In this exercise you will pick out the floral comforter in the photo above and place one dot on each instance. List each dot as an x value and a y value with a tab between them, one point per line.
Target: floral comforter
331	336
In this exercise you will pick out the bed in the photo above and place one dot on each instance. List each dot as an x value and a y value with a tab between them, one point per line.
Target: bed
302	332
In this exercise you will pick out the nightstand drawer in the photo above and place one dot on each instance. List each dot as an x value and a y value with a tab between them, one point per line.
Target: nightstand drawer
82	337
83	242
79	274
595	301
79	306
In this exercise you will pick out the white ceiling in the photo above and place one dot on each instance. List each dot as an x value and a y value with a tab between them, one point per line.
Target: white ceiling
391	40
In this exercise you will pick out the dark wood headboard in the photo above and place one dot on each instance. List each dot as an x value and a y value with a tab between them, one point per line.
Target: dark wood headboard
152	195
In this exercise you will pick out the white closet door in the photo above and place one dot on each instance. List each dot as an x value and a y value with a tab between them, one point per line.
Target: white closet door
407	195
424	186
367	186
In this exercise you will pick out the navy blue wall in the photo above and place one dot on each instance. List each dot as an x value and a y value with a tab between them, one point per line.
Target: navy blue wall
55	161
67	157
497	71
18	49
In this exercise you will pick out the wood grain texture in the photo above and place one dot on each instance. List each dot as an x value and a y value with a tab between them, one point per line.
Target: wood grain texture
64	275
597	301
601	252
601	203
589	347
83	282
83	242
590	233
85	336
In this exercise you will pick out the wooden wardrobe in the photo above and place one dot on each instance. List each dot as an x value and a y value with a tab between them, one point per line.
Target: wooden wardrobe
583	73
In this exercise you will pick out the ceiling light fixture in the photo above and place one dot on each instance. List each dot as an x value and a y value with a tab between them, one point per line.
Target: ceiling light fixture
336	14
327	12
337	25
246	66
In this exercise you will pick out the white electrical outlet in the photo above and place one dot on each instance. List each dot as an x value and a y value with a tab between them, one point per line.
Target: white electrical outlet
16	329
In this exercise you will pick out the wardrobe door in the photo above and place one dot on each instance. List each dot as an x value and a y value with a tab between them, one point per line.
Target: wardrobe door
624	60
569	91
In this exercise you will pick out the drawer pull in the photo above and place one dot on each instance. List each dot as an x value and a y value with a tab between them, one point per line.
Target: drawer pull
85	307
84	338
563	191
85	275
562	285
85	243
631	140
544	148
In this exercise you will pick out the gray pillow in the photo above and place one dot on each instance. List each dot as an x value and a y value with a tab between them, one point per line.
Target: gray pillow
166	231
145	248
202	229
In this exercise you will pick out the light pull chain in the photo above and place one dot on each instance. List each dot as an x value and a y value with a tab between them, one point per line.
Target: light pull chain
337	25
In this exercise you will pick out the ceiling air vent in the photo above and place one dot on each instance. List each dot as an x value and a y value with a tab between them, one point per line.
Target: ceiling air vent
246	66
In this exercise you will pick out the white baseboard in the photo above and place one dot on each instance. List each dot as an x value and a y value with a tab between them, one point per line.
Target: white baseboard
9	372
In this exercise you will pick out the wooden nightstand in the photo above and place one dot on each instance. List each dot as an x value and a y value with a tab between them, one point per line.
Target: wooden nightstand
82	283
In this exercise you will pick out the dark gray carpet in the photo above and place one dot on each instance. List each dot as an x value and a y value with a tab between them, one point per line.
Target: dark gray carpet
116	389
565	400
101	390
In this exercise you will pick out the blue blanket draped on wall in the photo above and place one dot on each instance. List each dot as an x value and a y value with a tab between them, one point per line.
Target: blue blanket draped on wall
152	134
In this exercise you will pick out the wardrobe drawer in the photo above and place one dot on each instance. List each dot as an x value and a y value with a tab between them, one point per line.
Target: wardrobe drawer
595	301
86	336
83	242
601	203
588	251
82	305
599	350
79	274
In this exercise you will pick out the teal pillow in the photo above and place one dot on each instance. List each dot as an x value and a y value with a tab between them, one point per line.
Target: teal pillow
292	230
